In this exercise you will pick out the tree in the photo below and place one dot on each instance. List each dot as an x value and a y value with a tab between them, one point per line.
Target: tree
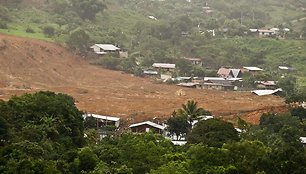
87	159
38	131
297	96
204	159
184	66
299	112
49	30
178	125
87	9
173	167
281	133
288	84
191	111
143	152
78	41
213	132
4	134
247	156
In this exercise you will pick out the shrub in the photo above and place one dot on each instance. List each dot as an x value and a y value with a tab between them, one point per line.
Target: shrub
110	62
49	30
3	25
78	41
30	30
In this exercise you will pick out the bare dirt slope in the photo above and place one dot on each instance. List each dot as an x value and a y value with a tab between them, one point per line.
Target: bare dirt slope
31	65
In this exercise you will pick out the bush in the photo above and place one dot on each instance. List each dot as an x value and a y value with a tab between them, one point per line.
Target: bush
4	14
3	25
30	30
78	41
49	30
110	62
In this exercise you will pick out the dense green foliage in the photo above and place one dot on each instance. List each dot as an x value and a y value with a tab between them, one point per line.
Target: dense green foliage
37	131
213	132
43	133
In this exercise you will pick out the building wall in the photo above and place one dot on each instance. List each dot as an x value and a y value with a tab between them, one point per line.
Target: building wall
123	54
214	87
145	128
96	49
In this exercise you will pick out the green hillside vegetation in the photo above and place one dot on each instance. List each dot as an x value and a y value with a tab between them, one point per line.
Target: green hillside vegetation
180	30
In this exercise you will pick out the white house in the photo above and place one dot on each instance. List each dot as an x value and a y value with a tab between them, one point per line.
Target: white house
105	48
164	65
146	127
104	120
265	32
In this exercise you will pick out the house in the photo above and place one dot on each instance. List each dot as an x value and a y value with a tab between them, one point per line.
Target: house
229	73
104	120
147	126
219	85
102	49
251	69
224	73
266	84
165	77
195	61
164	66
165	70
150	73
265	32
105	48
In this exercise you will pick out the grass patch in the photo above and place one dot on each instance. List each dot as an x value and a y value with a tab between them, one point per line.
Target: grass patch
20	30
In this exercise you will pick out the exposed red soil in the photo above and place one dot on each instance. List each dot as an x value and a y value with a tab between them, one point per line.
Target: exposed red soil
32	65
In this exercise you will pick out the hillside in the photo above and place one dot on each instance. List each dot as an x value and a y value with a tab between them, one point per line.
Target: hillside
34	65
178	30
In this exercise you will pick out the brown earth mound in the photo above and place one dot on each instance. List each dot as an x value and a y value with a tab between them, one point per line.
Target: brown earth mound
31	65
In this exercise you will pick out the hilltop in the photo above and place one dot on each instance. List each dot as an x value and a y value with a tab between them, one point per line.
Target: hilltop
33	65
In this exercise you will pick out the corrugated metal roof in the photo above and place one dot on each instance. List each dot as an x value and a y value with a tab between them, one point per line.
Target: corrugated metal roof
148	123
109	118
235	72
252	68
107	47
164	65
224	72
266	91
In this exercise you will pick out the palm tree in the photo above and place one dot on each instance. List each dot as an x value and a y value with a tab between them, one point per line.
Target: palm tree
191	111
